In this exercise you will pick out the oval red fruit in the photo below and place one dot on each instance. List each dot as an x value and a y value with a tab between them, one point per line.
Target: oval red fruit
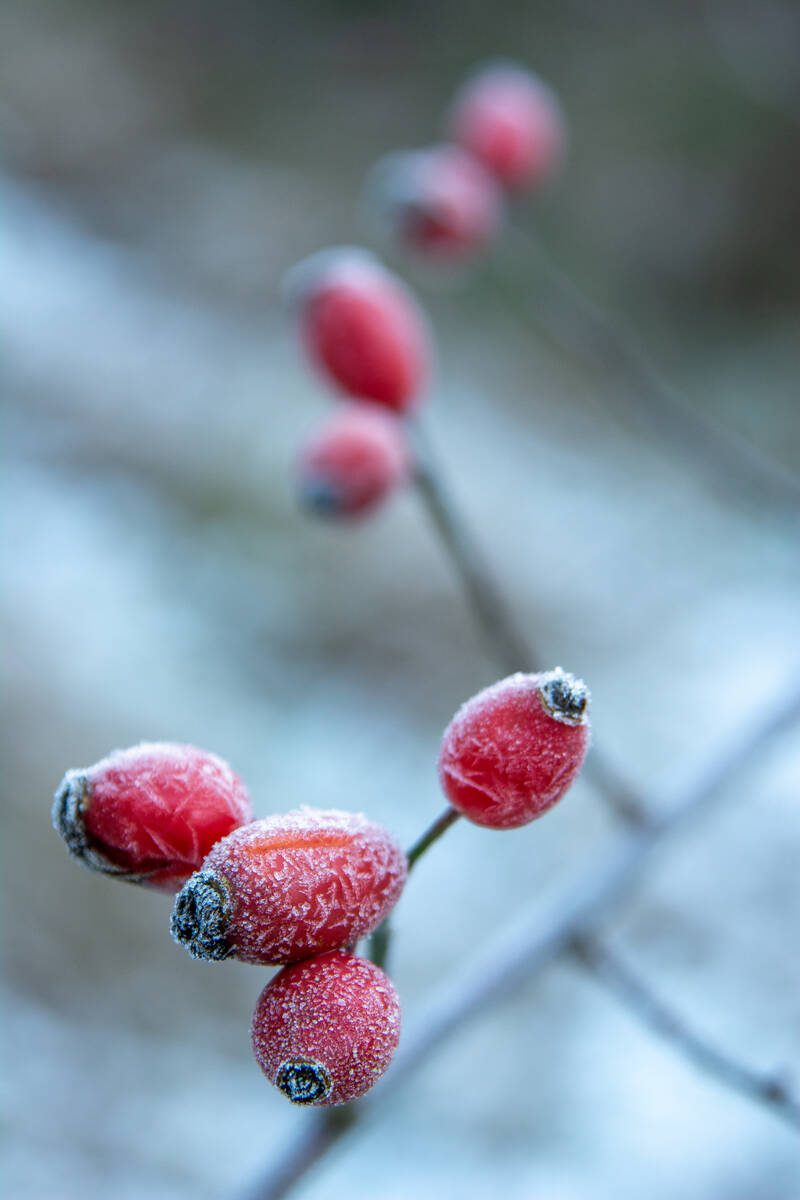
353	462
150	814
361	327
515	748
439	202
287	887
511	122
325	1030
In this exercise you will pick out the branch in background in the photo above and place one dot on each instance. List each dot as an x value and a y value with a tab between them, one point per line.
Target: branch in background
584	330
628	987
533	941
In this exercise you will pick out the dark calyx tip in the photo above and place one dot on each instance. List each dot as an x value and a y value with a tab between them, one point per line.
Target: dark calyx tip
304	1081
201	916
319	496
565	697
69	803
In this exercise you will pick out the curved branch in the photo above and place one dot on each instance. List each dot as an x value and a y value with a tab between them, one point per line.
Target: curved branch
533	940
628	987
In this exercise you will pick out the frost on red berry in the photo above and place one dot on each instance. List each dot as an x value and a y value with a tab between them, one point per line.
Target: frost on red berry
511	122
361	327
439	202
353	462
149	814
514	749
325	1030
291	886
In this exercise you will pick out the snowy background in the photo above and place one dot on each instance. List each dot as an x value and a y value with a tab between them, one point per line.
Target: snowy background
164	164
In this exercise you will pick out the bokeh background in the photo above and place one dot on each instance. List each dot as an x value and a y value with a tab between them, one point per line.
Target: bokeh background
164	163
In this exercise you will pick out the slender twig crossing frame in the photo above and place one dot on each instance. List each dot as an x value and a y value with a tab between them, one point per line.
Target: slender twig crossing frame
536	938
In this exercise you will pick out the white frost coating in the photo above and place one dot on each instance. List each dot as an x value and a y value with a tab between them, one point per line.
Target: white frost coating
149	813
506	757
336	1010
307	882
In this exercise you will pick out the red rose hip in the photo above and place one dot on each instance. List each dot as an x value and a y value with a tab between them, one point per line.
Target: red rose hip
512	123
325	1030
361	327
150	814
353	463
439	202
514	749
288	887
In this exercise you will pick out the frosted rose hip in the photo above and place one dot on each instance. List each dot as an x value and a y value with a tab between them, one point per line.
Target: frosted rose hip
515	748
353	462
150	814
361	327
325	1030
440	202
511	122
291	886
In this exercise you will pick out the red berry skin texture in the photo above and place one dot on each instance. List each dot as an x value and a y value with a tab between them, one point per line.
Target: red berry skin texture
150	814
512	123
440	203
361	327
325	1030
514	749
357	459
288	887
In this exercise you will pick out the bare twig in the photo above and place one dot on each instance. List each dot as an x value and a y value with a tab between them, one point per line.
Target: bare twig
627	986
584	330
537	937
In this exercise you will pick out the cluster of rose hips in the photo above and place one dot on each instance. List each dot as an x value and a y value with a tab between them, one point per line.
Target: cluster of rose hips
298	890
361	326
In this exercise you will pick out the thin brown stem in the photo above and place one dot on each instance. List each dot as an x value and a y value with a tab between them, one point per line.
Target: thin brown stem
630	989
380	940
431	835
537	937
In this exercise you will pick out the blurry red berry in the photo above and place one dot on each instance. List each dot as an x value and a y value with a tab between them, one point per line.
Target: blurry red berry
514	749
353	462
440	202
511	122
287	887
361	327
325	1030
150	814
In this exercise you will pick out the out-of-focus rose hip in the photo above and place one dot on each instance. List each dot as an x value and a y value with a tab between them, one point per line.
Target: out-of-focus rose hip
515	748
361	327
511	122
150	814
325	1030
439	202
288	887
357	459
